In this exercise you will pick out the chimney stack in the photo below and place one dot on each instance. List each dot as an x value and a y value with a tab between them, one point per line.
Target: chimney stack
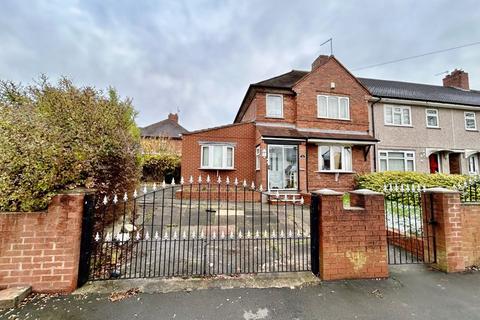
457	79
321	59
173	117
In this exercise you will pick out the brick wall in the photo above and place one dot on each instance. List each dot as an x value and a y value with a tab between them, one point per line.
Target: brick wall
242	135
471	233
42	249
318	82
353	242
340	182
457	229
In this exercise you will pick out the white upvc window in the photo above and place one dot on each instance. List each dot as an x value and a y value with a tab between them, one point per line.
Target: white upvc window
396	160
335	158
432	118
257	158
333	107
274	105
470	121
217	156
473	164
398	115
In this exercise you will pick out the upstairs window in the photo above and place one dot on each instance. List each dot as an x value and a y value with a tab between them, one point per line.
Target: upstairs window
217	157
335	158
274	105
470	121
398	115
333	107
397	160
432	118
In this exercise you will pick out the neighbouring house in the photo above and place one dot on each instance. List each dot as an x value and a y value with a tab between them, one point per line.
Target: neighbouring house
168	130
426	128
300	131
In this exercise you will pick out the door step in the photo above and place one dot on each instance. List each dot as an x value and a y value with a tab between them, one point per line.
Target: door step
285	197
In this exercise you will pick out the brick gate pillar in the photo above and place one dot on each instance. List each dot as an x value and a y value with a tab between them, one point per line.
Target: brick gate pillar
42	249
352	240
444	207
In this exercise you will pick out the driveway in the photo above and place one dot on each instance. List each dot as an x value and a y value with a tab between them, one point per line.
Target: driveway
412	292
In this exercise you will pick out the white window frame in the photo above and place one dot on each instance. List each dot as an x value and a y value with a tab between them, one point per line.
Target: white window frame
430	115
224	157
339	99
387	106
344	164
476	161
474	120
405	159
257	158
266	106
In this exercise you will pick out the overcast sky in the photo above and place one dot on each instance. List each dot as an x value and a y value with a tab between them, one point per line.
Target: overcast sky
200	56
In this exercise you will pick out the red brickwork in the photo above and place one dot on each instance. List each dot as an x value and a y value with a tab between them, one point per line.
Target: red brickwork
243	138
319	82
300	111
42	249
341	181
456	230
353	243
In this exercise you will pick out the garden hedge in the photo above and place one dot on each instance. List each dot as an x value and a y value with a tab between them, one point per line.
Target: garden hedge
376	181
56	137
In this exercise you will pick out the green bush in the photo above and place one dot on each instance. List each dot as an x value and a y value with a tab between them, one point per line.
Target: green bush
376	181
55	137
158	167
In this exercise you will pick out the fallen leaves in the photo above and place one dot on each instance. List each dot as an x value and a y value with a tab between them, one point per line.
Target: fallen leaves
120	295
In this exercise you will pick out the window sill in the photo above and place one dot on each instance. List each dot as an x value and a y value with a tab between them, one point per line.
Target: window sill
472	130
437	128
336	171
398	125
273	117
336	119
218	169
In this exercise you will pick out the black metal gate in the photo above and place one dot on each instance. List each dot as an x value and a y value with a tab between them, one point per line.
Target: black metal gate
410	229
199	229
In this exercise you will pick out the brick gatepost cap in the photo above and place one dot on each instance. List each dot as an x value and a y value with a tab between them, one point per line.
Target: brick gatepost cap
440	190
327	192
366	192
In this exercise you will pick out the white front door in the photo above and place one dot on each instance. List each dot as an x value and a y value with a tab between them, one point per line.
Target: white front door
282	167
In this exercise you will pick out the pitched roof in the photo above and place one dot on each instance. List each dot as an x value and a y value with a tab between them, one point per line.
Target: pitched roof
165	128
422	92
282	132
285	81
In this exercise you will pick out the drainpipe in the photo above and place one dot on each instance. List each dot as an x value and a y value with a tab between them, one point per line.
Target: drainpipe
306	164
373	132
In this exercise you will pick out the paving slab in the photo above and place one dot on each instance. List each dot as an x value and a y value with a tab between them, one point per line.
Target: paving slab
11	297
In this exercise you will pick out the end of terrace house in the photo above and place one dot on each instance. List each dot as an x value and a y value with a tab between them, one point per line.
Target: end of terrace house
308	130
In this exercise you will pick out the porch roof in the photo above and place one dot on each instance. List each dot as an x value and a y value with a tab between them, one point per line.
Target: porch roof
292	133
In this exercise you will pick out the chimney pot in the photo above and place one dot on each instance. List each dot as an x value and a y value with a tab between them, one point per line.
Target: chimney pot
457	79
173	117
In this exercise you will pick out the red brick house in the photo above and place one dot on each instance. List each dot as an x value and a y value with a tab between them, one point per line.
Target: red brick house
297	132
168	129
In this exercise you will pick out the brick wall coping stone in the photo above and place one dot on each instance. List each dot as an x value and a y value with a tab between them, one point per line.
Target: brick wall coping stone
327	192
366	192
440	190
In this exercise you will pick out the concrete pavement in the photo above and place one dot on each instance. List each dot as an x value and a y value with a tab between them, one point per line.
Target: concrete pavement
412	292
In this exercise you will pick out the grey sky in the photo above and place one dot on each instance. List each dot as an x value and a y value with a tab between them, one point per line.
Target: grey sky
200	56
